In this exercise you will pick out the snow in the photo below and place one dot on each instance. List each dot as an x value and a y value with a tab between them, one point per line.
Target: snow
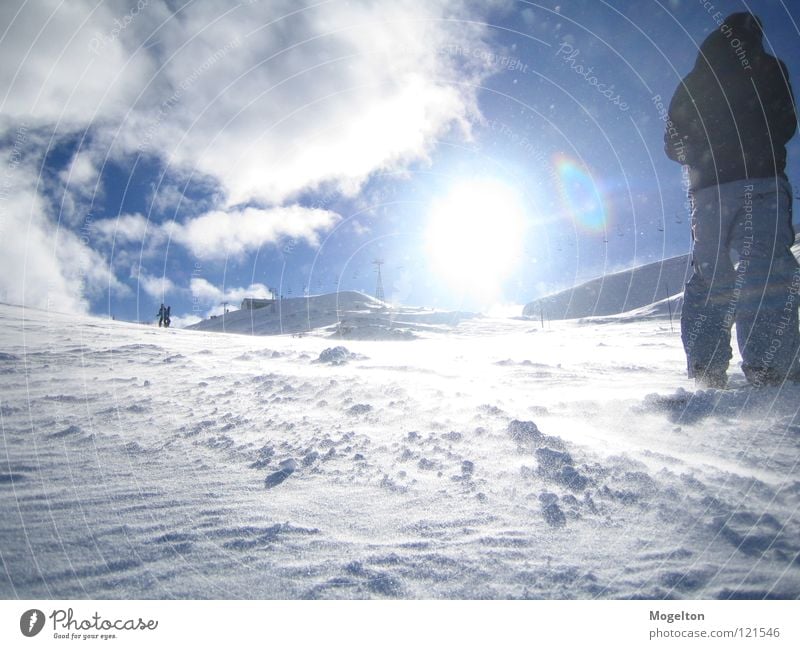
650	290
347	315
615	293
487	458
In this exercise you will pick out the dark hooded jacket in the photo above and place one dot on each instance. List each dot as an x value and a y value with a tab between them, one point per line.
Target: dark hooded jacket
732	115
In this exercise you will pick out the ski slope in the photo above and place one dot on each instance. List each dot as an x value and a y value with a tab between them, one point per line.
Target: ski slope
650	289
486	459
343	315
615	293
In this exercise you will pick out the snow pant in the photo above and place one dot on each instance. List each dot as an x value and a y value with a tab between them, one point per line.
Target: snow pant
744	273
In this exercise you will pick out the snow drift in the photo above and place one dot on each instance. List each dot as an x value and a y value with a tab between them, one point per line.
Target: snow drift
490	460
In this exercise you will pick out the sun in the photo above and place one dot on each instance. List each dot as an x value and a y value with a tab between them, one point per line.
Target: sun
474	236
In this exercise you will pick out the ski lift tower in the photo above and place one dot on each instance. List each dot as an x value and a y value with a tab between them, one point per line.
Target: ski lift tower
379	286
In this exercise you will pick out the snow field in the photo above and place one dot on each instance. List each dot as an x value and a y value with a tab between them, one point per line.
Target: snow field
492	459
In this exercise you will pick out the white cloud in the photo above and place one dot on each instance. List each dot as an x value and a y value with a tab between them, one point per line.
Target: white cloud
130	238
181	321
170	198
218	234
207	299
369	90
50	72
156	287
81	171
204	292
261	100
358	228
125	228
42	265
333	92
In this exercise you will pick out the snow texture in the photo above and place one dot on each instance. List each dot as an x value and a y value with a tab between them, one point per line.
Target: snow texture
487	458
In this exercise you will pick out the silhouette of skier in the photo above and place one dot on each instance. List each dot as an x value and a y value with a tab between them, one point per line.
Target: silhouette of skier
162	313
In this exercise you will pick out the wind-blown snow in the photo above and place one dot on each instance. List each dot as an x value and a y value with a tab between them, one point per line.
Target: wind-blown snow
493	459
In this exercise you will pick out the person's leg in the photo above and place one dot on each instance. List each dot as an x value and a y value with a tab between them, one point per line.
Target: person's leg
708	314
766	318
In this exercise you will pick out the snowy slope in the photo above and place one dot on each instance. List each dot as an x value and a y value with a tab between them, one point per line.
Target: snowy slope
498	460
347	315
616	292
637	292
668	308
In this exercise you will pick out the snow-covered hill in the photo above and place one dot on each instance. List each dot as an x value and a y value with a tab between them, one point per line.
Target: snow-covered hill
490	460
344	315
616	292
652	290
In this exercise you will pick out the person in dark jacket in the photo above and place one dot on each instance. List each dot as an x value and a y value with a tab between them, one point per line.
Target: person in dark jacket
162	312
729	121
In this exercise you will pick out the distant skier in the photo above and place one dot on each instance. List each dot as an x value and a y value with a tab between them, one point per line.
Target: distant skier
162	313
729	121
166	316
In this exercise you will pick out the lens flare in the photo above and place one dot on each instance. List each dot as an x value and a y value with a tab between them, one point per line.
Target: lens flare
580	195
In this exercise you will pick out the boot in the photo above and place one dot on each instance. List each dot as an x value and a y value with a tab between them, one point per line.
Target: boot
710	379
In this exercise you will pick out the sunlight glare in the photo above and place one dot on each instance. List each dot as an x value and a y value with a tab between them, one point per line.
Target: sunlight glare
475	236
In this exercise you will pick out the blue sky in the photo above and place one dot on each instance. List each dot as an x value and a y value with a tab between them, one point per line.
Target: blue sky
195	153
